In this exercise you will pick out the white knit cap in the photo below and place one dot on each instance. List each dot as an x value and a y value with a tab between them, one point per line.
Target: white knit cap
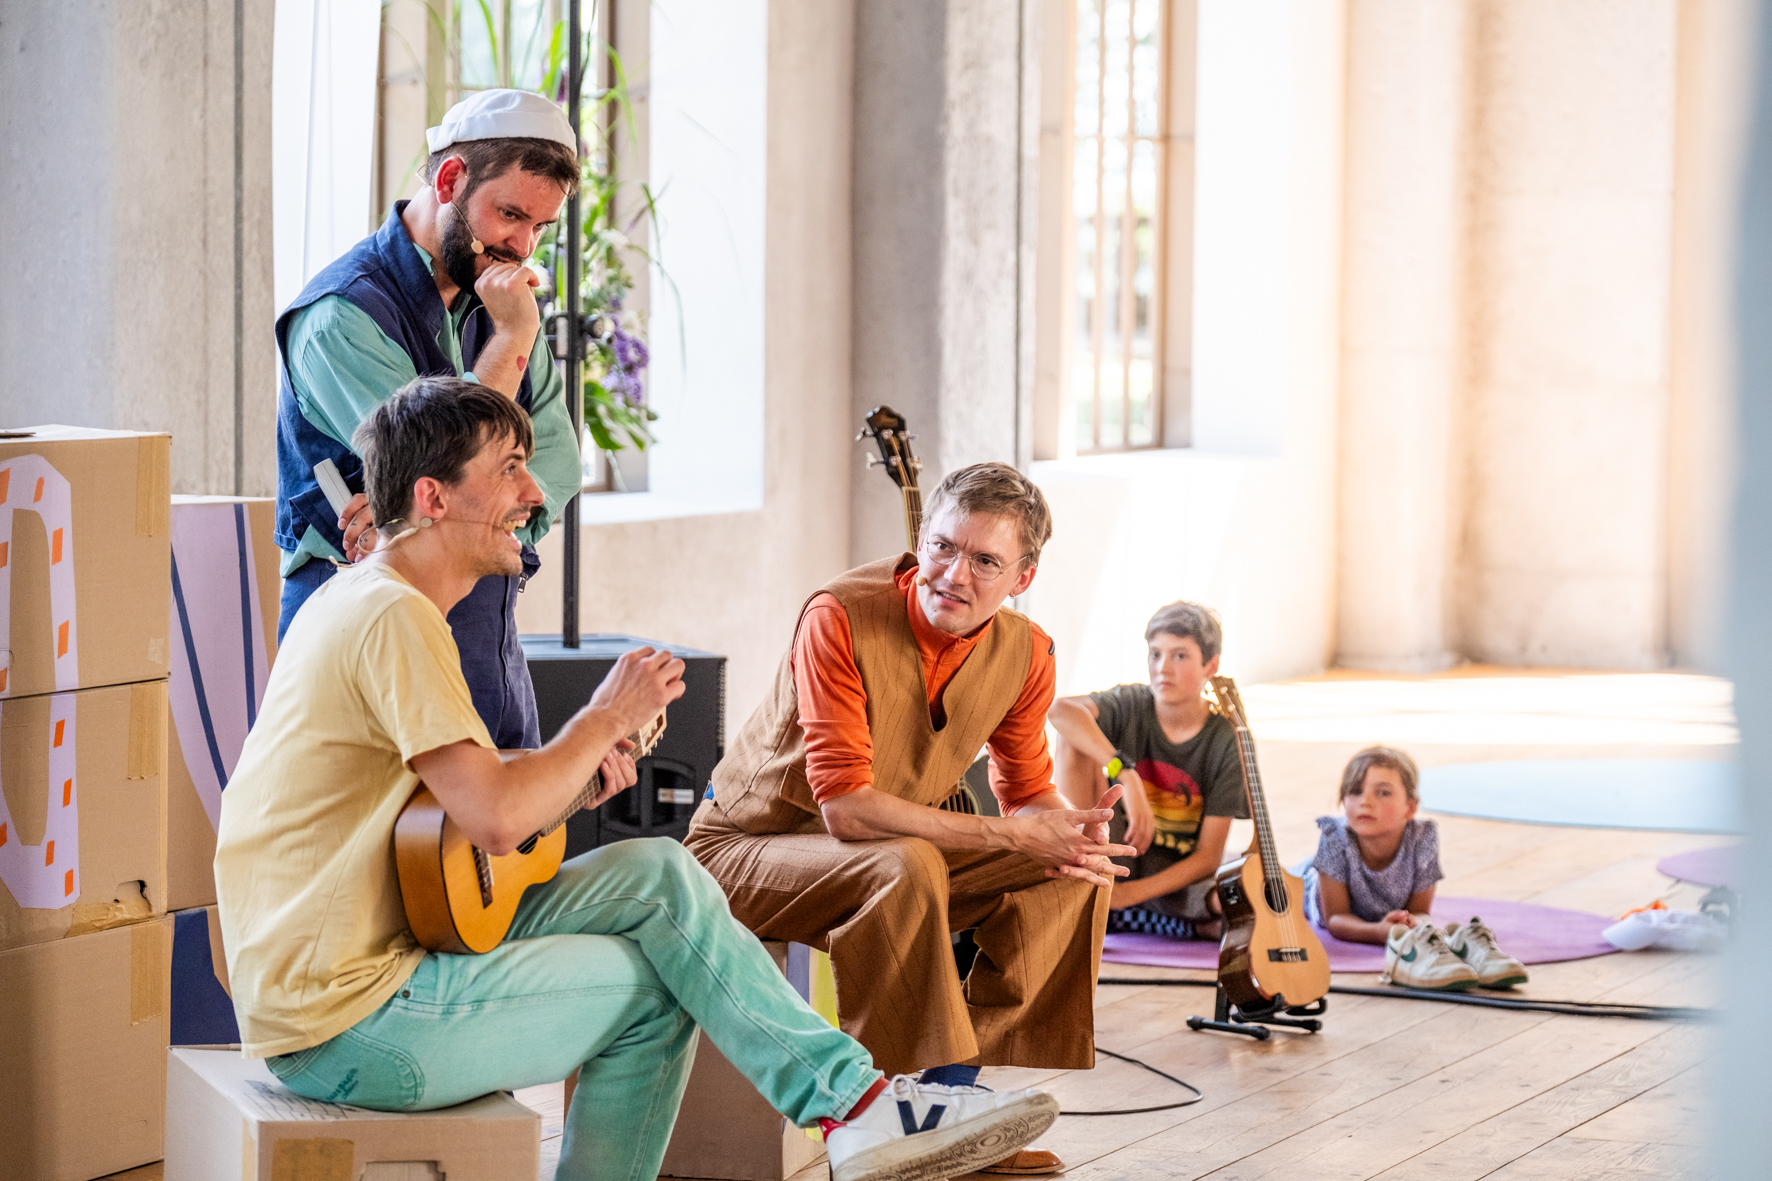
503	114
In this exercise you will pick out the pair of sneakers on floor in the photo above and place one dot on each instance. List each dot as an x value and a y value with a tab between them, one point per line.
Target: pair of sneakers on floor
1464	955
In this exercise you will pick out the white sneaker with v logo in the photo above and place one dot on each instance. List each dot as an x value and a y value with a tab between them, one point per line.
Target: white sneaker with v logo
915	1132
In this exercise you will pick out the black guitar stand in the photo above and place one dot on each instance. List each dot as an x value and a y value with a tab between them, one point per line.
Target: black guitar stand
1255	1022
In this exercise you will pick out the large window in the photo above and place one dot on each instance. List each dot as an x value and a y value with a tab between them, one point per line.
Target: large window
436	52
1117	197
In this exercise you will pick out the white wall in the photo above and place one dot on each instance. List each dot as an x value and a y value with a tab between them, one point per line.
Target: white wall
708	98
1534	418
1245	520
1566	435
323	134
1403	338
1716	48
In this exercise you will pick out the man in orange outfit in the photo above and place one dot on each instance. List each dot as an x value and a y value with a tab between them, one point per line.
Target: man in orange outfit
825	821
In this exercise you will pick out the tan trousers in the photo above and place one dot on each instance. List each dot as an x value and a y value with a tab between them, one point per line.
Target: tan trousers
884	910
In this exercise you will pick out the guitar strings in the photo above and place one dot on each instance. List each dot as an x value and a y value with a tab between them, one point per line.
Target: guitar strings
1273	874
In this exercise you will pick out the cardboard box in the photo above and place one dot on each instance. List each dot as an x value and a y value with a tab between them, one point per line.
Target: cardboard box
83	1054
229	1119
202	1004
82	811
225	600
725	1129
84	546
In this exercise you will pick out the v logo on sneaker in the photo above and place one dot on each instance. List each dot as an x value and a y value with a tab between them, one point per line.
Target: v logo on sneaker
1408	957
908	1118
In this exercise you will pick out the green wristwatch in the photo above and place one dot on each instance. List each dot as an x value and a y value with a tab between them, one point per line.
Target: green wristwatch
1116	765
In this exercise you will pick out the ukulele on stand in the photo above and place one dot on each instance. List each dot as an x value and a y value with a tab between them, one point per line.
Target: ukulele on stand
1272	970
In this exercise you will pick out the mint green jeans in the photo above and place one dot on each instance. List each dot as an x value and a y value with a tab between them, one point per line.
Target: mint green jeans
609	968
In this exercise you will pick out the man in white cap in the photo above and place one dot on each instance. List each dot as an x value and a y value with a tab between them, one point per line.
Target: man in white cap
440	290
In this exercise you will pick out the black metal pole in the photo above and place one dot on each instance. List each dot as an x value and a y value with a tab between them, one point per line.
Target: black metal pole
575	337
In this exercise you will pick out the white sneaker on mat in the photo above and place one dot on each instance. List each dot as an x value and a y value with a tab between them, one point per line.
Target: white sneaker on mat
914	1132
1417	957
1475	944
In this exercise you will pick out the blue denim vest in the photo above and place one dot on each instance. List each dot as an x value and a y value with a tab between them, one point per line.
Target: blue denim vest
385	277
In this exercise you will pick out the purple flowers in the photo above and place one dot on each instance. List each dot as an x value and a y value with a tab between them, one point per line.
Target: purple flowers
630	358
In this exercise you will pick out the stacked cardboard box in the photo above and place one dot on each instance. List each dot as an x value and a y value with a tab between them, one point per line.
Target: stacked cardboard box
84	941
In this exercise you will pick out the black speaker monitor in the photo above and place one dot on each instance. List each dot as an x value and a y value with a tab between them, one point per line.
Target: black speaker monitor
674	776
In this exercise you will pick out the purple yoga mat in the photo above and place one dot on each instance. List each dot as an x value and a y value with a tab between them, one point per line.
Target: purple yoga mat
1702	867
1531	934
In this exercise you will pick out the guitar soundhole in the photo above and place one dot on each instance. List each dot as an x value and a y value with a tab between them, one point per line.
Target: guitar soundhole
528	846
1275	893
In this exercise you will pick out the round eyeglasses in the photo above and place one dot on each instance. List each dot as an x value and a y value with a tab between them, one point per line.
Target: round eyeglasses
985	567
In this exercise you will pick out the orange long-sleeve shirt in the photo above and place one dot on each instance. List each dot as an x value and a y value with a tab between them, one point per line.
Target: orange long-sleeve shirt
833	703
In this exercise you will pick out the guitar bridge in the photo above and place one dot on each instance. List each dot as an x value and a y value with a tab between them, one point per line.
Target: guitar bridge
483	870
1287	955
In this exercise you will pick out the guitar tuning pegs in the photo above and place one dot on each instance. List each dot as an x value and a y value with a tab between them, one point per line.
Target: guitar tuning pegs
873	462
916	465
862	435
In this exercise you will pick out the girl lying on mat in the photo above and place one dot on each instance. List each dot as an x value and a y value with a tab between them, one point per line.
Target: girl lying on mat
1373	880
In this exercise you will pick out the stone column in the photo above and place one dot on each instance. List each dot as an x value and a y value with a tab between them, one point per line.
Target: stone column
943	238
130	301
1401	351
1572	169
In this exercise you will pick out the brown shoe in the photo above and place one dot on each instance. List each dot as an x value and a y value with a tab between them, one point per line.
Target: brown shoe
1029	1162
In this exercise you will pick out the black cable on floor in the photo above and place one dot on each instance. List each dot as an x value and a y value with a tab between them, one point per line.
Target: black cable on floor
1516	1004
1198	1094
1527	1005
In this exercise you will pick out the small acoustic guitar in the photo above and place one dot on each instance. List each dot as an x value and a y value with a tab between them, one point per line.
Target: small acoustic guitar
1269	958
458	897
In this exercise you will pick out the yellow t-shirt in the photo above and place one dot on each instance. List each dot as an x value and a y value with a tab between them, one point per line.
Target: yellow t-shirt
316	937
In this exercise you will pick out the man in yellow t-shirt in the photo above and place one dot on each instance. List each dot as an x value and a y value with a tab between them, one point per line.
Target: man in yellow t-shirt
608	968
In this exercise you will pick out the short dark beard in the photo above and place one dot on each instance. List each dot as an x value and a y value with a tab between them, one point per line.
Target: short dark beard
459	260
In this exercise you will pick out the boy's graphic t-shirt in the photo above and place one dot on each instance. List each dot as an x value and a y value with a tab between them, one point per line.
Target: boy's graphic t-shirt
1184	781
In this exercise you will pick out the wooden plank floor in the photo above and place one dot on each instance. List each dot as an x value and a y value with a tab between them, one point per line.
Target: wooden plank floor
1400	1089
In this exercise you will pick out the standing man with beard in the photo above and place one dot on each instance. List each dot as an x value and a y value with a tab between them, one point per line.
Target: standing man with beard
439	290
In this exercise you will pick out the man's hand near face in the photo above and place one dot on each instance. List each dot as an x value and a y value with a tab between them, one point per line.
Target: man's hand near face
507	290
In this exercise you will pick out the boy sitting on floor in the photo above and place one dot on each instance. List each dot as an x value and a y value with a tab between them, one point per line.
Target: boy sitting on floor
1178	762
